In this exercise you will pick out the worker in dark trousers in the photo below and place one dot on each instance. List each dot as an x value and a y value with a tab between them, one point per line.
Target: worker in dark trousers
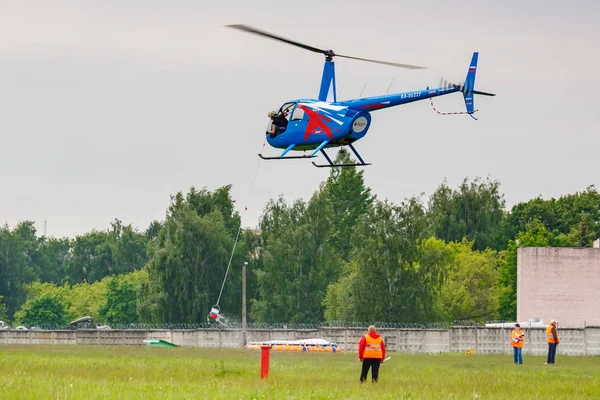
371	352
553	341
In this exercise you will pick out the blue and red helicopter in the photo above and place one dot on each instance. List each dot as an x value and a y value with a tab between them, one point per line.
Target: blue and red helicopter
317	124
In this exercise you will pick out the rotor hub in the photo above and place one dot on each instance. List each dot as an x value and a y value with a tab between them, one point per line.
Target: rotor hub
329	54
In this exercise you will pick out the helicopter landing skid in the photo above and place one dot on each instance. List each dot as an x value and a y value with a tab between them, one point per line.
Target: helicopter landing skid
340	165
284	158
332	165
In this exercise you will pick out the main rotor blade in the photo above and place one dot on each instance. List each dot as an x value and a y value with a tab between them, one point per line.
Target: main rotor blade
383	62
250	29
328	53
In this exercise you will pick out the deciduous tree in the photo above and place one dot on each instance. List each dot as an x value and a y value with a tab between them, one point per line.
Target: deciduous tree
296	264
474	211
47	309
390	284
350	198
189	258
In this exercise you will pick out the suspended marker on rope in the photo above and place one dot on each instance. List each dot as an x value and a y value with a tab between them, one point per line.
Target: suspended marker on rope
215	312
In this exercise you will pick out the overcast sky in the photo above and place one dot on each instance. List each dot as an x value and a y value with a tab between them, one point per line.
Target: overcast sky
109	107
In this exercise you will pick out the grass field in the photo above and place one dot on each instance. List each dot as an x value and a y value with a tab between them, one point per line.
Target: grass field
103	372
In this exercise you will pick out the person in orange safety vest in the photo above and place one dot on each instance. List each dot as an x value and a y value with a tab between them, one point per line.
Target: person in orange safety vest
516	341
553	341
371	352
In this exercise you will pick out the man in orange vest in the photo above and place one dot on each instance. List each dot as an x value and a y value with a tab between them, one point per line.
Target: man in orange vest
371	352
553	341
516	340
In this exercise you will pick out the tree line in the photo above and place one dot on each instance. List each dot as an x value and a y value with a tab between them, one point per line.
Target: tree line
342	255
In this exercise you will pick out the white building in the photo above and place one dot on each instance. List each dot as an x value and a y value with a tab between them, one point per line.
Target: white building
559	283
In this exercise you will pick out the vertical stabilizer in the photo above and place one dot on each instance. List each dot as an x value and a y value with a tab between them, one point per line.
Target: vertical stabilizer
469	86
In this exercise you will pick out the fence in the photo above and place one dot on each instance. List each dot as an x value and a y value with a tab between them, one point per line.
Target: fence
485	340
257	325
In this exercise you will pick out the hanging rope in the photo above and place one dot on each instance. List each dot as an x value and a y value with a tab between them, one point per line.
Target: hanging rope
239	229
450	113
229	265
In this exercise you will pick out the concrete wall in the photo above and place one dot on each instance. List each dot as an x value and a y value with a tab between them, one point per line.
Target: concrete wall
576	342
559	283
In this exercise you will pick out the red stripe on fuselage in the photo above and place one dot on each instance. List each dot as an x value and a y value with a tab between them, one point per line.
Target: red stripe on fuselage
372	106
316	123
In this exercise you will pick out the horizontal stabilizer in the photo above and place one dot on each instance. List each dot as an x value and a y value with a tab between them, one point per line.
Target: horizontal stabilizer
483	93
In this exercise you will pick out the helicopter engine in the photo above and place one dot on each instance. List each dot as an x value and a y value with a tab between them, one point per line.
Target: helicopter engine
360	125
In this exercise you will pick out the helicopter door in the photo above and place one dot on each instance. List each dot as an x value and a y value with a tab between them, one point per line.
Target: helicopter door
297	114
280	127
297	120
283	117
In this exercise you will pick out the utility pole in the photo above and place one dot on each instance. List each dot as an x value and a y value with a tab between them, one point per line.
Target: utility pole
244	265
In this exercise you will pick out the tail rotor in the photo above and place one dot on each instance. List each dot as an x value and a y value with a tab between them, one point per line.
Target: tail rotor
467	87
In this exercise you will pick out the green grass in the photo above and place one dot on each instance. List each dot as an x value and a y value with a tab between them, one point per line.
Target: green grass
114	372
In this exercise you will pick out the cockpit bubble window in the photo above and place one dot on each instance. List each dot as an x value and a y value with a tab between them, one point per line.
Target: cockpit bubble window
287	108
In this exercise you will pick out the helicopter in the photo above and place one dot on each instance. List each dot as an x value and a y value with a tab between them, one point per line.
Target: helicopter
325	122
